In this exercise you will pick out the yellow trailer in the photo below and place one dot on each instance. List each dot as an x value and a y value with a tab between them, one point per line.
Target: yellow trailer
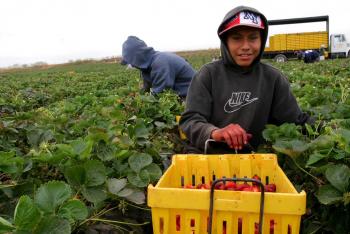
297	41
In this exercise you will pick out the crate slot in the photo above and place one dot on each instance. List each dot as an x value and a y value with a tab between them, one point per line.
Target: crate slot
178	223
289	229
272	226
224	225
193	223
239	225
161	225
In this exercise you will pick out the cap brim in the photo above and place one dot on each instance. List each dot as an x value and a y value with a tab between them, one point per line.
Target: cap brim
238	25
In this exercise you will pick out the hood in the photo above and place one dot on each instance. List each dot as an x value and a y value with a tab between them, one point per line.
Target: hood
137	53
227	59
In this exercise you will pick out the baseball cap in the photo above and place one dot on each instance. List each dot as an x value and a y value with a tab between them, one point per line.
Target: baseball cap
244	18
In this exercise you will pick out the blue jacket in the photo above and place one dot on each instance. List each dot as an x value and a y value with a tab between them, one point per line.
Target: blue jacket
311	56
161	69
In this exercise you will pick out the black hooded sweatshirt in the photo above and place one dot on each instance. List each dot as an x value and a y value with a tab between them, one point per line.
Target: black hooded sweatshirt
222	93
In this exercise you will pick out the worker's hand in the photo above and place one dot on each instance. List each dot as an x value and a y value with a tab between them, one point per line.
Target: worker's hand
233	134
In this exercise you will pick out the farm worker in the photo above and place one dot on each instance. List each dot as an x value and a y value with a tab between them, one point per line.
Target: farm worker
159	70
231	100
311	56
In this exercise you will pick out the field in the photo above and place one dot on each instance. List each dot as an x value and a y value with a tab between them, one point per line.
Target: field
79	144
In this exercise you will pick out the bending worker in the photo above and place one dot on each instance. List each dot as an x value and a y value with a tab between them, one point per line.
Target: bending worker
159	70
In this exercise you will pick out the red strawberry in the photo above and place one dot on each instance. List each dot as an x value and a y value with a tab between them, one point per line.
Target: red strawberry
270	188
256	177
230	185
240	187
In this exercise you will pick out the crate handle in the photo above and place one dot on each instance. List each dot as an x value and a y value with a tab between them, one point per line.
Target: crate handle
262	199
206	145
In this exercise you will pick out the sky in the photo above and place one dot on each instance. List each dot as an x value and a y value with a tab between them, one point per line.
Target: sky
56	31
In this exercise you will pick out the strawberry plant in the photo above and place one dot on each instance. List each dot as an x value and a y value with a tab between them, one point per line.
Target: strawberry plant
317	158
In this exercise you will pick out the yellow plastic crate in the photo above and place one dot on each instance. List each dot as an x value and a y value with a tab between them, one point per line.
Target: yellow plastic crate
178	210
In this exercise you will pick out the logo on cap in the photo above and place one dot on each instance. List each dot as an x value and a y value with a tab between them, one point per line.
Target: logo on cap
244	18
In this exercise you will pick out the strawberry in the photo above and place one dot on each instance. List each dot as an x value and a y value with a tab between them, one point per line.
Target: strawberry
256	177
189	186
203	186
220	186
248	189
270	188
255	188
240	187
230	185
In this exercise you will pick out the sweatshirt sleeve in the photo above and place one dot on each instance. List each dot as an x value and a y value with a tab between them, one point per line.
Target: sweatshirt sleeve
285	107
195	120
163	76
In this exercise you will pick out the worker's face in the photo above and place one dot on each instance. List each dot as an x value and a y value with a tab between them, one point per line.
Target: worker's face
244	44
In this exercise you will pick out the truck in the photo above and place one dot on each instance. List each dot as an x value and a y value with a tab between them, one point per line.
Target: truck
282	47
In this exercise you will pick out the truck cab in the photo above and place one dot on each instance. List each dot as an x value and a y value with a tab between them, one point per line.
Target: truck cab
339	46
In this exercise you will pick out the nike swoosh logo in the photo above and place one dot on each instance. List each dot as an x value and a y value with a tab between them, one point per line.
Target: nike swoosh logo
235	107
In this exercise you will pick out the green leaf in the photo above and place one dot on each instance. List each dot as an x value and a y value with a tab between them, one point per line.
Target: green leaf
346	198
312	228
122	168
285	132
137	197
117	114
328	195
291	148
338	176
141	130
339	154
75	175
94	194
95	173
314	158
36	136
52	194
27	215
97	134
64	150
153	171
115	185
270	133
160	125
53	225
5	226
73	210
82	148
323	142
11	164
126	192
344	140
105	152
310	130
123	154
124	141
139	180
51	158
139	161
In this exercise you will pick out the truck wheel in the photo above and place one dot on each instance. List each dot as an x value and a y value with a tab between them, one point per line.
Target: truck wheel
280	58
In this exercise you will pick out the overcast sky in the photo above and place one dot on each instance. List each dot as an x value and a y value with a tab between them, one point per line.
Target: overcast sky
55	31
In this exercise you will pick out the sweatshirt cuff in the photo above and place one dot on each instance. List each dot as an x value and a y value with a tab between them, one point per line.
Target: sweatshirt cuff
210	129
